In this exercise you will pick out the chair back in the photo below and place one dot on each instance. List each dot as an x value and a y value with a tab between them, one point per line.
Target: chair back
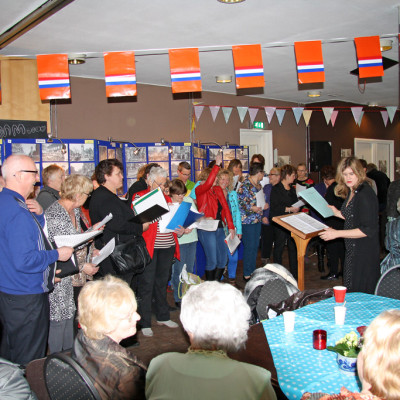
66	379
389	283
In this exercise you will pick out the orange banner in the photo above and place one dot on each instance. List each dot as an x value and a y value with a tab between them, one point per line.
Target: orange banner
309	61
369	56
248	64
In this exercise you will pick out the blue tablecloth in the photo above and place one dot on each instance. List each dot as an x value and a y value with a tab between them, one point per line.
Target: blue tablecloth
302	369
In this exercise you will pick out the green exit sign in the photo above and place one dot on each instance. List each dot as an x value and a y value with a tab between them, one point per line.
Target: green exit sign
258	125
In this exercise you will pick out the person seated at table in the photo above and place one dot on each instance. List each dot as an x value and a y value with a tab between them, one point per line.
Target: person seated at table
216	318
377	364
107	314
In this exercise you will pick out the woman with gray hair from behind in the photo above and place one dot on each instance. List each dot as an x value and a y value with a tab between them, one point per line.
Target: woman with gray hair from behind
216	318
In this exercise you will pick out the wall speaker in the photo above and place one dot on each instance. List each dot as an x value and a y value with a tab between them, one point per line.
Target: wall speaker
320	155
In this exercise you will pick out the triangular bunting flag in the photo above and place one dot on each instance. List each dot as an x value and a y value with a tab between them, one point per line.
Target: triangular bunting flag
252	113
120	73
385	116
280	114
307	116
391	111
242	112
310	64
248	64
227	113
269	111
356	113
369	56
297	111
214	111
197	111
360	119
185	70
327	113
334	116
53	76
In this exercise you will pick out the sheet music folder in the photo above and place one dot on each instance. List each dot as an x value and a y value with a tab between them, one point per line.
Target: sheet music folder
150	207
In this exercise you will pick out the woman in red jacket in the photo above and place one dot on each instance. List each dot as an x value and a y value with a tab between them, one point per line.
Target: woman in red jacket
212	202
162	247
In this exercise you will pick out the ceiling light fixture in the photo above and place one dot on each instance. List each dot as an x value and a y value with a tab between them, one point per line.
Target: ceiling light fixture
314	93
76	59
231	1
386	44
224	78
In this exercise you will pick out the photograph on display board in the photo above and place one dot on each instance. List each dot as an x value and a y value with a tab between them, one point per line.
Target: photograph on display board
118	153
164	165
31	150
81	152
180	153
229	154
243	156
63	165
158	153
245	165
132	169
203	153
53	152
198	164
213	153
130	182
174	168
86	169
131	157
110	153
196	152
102	153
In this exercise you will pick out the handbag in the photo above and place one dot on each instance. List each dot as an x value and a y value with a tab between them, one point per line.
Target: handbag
130	257
186	280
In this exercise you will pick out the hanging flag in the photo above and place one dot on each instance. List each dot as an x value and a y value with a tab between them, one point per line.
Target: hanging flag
242	113
385	116
327	113
120	73
356	111
269	111
309	60
185	70
391	111
248	64
297	111
280	114
252	113
214	111
334	116
53	75
369	56
198	110
227	113
307	116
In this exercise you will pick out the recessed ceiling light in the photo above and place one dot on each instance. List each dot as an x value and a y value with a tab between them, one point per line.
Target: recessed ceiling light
314	93
224	78
230	1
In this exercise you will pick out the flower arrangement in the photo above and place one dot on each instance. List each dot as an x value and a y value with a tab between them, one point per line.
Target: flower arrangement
348	346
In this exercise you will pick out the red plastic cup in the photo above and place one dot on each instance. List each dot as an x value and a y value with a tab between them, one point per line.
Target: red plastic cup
361	330
340	293
319	339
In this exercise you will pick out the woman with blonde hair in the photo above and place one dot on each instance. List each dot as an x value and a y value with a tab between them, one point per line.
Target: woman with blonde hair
107	314
361	227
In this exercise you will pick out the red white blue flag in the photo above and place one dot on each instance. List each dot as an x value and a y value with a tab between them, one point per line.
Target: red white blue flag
249	69
309	60
120	73
185	70
53	75
369	56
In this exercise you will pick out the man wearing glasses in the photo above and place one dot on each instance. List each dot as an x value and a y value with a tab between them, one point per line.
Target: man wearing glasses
184	175
27	265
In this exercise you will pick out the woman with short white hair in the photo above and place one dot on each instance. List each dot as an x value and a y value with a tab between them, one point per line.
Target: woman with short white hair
107	315
216	318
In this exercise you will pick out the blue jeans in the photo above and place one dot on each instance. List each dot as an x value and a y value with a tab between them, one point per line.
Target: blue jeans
188	257
215	249
251	240
232	263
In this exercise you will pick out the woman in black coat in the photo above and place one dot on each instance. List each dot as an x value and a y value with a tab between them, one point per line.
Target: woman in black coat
361	227
283	195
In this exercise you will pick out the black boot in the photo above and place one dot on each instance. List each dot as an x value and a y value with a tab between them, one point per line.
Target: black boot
218	274
210	275
321	255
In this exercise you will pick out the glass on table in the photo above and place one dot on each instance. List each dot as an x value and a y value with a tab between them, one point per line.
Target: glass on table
319	339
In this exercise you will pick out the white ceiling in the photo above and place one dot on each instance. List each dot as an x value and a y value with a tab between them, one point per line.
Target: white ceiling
151	27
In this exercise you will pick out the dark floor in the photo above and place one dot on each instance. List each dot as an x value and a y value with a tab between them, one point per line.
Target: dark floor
166	339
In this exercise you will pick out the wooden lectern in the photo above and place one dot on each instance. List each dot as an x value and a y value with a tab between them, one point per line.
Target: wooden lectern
301	239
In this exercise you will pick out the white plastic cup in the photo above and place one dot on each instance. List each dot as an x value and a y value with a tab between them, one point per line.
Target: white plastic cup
340	314
288	319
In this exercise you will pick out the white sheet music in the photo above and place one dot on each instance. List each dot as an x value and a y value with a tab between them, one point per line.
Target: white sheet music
104	252
304	223
102	222
75	240
205	224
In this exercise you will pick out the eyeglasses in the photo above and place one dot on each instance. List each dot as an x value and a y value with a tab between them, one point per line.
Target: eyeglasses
160	184
183	173
30	171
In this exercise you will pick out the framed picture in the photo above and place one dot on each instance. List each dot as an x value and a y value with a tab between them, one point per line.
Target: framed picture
31	150
398	165
180	153
345	153
130	155
283	160
158	153
86	169
213	153
81	152
229	154
132	169
174	168
53	152
243	156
